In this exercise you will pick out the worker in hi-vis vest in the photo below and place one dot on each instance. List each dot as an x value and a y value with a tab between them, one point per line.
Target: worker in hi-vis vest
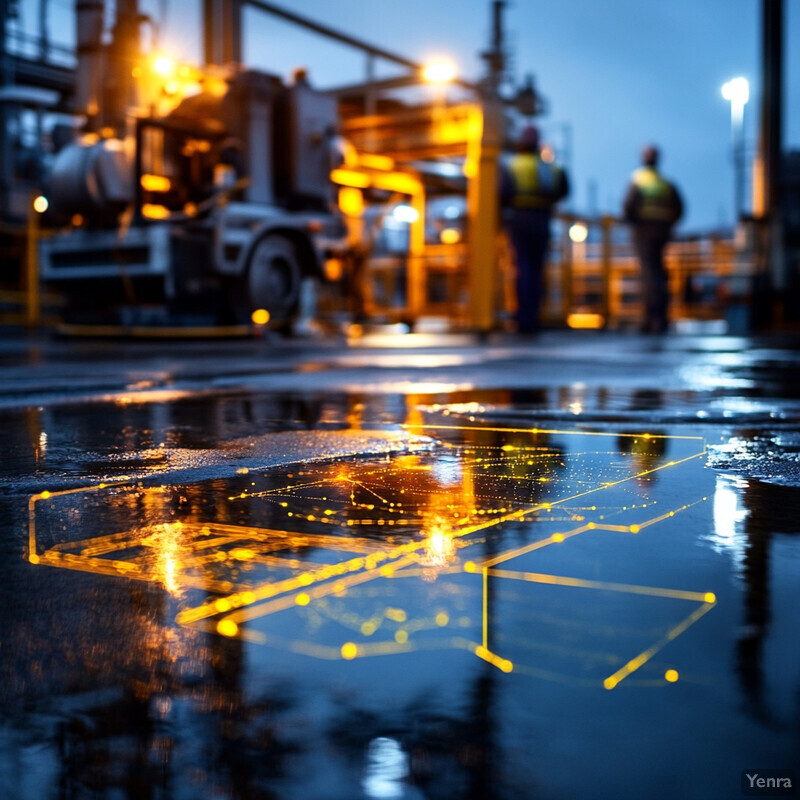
652	206
531	186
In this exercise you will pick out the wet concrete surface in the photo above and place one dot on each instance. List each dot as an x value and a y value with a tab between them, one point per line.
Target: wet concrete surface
418	567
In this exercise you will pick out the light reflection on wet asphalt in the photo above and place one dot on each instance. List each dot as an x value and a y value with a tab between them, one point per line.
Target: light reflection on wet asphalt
448	592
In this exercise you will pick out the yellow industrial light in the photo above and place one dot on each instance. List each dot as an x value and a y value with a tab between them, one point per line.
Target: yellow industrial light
450	236
334	269
585	320
439	71
155	211
260	316
40	204
155	183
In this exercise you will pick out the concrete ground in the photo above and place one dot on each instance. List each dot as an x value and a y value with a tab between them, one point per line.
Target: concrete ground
203	544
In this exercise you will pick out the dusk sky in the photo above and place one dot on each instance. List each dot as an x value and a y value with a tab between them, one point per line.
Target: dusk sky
616	74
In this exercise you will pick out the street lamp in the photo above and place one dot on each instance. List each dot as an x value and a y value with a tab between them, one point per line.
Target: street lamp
737	91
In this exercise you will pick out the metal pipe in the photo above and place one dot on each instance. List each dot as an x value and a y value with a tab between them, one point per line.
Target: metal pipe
270	8
88	36
772	97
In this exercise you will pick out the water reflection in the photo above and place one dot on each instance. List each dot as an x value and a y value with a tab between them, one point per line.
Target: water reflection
238	555
220	636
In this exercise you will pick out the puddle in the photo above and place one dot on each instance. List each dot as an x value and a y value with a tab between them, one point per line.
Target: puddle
445	603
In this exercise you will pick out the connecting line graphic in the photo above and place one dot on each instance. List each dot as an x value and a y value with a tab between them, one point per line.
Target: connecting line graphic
707	599
204	556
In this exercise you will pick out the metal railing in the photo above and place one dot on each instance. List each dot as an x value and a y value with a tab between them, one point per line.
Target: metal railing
594	283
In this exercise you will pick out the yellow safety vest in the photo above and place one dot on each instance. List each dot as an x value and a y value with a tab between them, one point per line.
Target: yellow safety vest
535	181
656	201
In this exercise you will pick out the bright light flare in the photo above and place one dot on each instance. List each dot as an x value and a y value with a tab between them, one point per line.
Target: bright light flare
439	71
163	66
41	204
439	549
736	90
405	213
578	232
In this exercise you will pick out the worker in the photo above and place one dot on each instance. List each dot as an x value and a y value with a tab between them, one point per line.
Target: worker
652	207
531	186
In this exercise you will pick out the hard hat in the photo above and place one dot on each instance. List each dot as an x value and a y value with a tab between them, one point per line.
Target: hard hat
650	155
529	138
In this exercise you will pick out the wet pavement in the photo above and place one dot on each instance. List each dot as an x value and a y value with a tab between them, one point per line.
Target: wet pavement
420	567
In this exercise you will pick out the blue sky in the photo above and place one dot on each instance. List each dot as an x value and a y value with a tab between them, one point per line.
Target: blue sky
616	73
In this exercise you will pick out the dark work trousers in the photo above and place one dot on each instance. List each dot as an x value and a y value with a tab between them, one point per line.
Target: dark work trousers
649	239
529	229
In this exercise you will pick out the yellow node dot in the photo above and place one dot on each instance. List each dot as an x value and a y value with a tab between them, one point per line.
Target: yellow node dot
227	627
302	599
33	558
101	486
349	651
506	665
45	494
609	683
248	598
401	637
591	526
242	471
223	604
442	619
634	529
305	579
558	537
710	597
671	675
260	316
367	628
470	566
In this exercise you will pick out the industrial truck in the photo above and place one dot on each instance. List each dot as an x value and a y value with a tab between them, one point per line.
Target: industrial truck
209	202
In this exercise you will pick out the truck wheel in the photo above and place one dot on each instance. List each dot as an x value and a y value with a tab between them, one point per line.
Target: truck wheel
271	280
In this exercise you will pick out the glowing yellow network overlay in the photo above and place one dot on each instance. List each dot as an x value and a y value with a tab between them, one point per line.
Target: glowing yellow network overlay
313	559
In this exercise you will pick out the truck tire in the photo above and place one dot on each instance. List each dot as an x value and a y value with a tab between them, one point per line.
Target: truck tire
271	280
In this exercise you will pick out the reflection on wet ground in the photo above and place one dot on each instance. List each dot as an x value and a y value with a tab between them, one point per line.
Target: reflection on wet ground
478	594
307	539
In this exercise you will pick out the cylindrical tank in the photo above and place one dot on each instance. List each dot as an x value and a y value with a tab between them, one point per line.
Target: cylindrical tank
94	180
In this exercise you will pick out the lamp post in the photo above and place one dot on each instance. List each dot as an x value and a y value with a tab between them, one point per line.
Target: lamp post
737	91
